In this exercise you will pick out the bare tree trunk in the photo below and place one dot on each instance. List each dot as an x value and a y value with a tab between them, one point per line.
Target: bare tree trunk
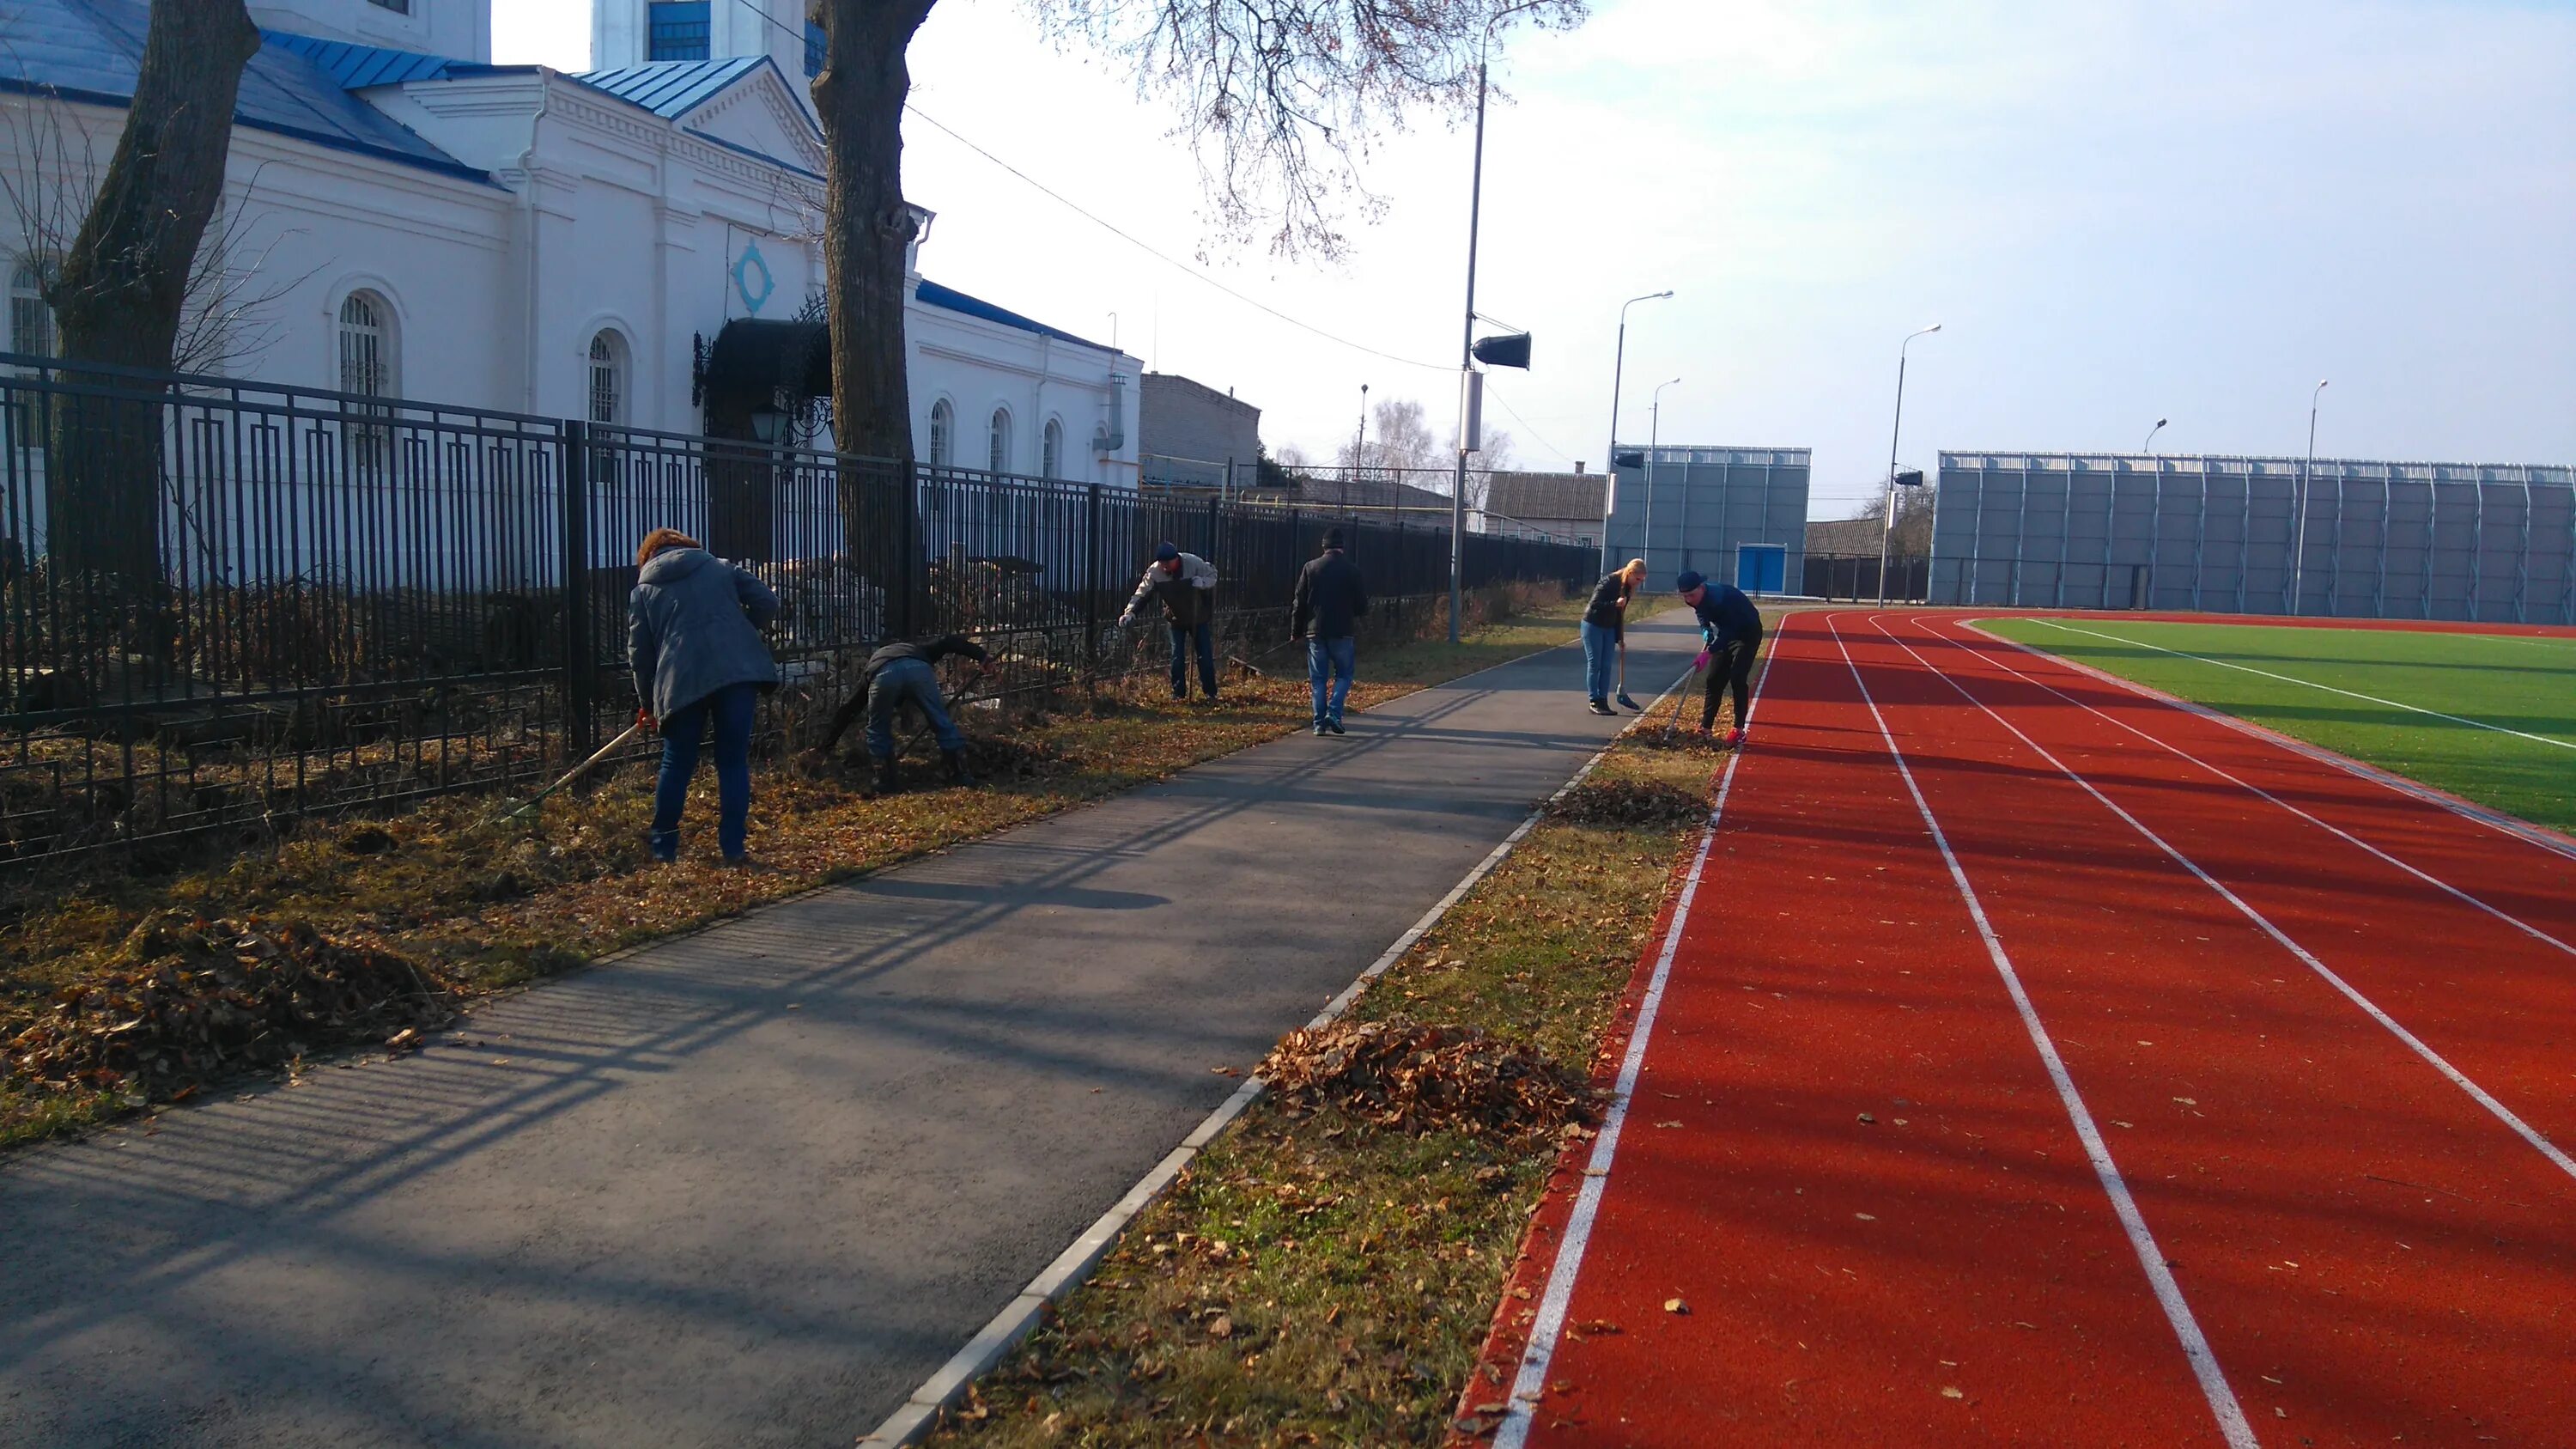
119	294
867	228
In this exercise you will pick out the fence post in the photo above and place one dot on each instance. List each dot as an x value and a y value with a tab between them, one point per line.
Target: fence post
907	501
579	695
1091	583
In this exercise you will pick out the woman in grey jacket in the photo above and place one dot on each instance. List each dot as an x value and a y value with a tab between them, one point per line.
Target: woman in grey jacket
693	640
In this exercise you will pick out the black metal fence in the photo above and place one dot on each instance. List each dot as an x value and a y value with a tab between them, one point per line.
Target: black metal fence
1855	576
226	603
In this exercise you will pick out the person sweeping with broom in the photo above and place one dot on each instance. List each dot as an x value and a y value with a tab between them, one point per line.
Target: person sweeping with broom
1730	631
1605	634
693	641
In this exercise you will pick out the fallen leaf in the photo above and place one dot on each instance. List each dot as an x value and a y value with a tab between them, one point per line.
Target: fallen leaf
1675	1305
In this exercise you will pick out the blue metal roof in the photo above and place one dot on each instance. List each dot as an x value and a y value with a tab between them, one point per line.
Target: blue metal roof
90	50
357	66
950	299
673	88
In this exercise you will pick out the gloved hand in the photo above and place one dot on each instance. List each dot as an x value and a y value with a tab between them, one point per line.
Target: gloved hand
644	717
1702	661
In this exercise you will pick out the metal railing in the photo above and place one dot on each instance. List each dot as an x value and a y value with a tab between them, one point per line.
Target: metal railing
1855	577
225	604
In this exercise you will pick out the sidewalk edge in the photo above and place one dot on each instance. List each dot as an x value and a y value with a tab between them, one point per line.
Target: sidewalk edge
919	1414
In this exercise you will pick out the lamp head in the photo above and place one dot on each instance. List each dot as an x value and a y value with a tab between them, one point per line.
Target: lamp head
2160	422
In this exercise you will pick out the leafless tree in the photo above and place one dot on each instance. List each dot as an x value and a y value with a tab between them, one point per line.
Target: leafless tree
1399	439
1912	537
1278	100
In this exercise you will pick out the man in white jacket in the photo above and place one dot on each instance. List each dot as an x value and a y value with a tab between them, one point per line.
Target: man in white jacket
1186	585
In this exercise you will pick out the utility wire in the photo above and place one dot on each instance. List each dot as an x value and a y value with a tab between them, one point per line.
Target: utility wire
1524	422
1166	258
1149	249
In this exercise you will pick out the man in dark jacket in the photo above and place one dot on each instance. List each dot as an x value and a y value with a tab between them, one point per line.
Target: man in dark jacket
1730	631
1186	586
1330	603
896	674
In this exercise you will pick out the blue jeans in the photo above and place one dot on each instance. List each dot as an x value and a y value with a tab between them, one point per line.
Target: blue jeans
1183	636
914	680
730	709
1600	659
1335	660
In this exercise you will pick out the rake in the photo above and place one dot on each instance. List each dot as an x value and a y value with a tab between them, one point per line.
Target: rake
529	805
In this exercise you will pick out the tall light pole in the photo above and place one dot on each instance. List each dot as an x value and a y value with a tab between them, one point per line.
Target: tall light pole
1467	329
1654	440
1359	446
2299	521
1610	468
1887	525
2149	446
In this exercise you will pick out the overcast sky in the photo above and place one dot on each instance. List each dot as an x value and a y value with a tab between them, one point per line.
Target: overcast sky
2120	212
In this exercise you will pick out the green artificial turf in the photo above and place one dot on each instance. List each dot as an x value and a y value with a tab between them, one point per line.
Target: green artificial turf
2502	682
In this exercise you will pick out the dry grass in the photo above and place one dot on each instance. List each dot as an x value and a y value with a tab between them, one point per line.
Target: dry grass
492	907
1317	1279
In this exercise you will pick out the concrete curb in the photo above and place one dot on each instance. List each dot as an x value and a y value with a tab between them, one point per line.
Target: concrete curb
920	1413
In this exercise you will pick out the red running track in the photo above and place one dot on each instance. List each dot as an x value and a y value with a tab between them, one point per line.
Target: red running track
2043	1063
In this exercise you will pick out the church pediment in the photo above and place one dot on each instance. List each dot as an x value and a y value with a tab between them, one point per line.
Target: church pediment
743	104
760	114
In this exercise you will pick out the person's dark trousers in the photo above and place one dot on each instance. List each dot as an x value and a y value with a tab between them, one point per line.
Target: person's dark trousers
1600	656
730	711
1182	637
1735	666
907	679
1330	666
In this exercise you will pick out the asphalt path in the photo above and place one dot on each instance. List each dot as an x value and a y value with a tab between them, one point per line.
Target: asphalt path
754	1185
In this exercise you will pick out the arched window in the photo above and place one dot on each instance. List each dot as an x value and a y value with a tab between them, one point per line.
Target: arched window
943	426
998	456
607	378
1052	463
366	345
31	317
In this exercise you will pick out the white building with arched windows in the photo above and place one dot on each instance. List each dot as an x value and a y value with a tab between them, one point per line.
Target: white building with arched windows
404	218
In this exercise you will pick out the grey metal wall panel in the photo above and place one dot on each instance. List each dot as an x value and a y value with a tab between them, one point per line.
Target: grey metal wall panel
1706	502
2494	543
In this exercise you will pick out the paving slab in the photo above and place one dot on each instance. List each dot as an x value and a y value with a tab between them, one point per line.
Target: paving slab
752	1186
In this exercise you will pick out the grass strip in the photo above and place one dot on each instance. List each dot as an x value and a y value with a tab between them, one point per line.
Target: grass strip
1316	1278
482	909
2510	682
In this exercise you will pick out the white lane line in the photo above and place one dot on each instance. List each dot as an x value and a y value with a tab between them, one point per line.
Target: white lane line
2429	879
1540	1350
2151	1258
2555	842
2312	684
2414	1043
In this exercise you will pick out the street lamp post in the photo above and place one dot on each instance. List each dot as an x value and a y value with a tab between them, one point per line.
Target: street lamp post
1654	440
1359	447
2149	446
1467	338
1887	524
2299	551
1610	468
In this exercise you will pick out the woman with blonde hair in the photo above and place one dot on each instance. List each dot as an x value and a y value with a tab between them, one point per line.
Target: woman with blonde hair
693	640
1605	633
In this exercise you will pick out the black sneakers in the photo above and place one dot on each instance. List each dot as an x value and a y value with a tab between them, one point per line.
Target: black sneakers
1600	707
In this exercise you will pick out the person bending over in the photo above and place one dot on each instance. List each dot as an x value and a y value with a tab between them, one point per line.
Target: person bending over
894	676
1730	631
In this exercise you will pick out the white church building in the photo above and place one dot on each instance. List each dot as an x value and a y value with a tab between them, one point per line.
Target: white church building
416	221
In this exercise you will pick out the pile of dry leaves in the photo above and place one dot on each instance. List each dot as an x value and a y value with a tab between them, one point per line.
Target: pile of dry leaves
1629	804
1418	1078
189	1002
